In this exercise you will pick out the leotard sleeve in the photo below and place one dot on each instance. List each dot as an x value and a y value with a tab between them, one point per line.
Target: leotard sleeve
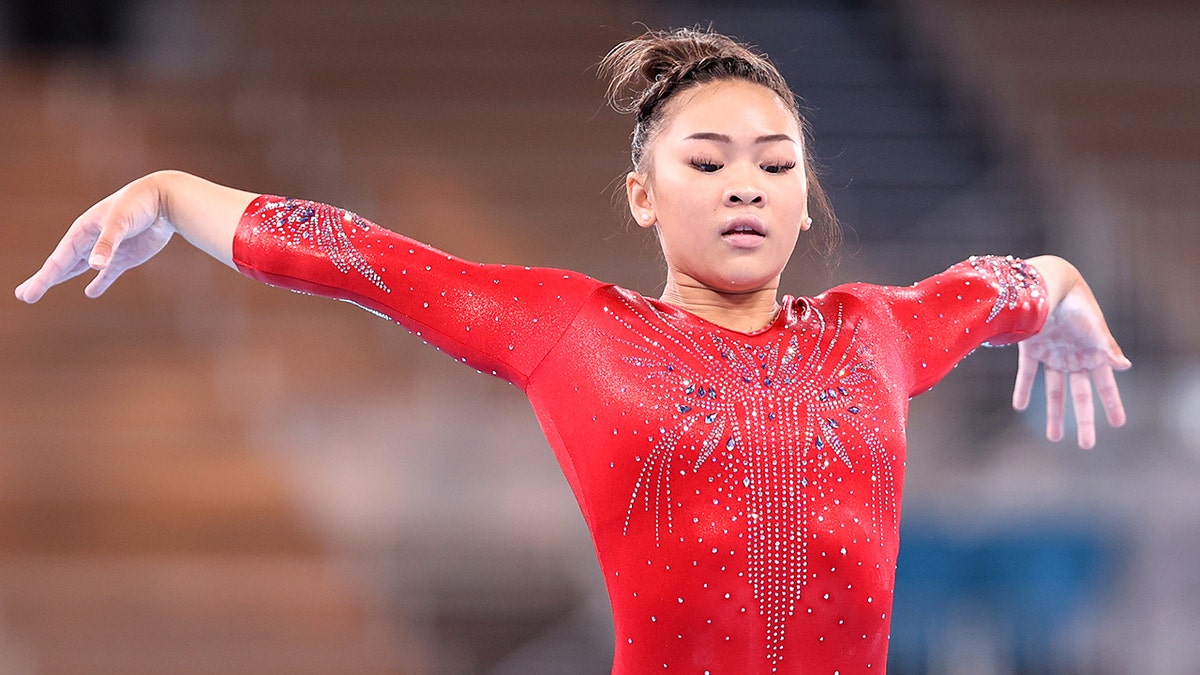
500	319
985	300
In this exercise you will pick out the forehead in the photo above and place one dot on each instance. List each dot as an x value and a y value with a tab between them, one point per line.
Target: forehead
731	107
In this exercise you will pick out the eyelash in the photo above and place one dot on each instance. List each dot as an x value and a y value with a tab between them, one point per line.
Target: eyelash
702	164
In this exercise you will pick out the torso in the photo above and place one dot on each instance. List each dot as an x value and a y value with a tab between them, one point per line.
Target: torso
743	490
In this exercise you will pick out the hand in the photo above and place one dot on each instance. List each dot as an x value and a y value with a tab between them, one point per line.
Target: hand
120	232
130	226
1076	345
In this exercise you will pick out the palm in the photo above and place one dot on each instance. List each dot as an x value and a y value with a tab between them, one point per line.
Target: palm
1072	339
1075	347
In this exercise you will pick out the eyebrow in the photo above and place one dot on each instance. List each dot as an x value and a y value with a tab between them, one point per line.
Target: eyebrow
722	138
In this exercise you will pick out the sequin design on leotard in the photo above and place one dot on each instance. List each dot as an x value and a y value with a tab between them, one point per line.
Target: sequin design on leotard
1014	279
772	417
325	228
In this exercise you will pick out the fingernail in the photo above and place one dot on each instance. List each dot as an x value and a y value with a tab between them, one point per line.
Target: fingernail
97	261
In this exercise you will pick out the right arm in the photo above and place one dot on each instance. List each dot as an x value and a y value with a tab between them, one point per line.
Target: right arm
497	318
134	223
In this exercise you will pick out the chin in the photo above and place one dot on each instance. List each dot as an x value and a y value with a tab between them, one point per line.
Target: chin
740	284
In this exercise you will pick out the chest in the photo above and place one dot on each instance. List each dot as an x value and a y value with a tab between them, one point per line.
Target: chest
662	415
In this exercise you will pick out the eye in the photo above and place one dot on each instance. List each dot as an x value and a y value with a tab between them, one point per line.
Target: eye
705	165
779	167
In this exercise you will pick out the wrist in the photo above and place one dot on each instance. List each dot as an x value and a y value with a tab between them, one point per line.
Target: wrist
1059	275
204	213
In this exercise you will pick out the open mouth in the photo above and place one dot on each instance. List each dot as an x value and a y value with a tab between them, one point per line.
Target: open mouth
745	227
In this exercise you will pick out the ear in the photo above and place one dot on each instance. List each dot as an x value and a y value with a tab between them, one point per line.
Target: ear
641	201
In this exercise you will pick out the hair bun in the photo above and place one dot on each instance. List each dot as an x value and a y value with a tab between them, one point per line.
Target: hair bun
678	51
634	68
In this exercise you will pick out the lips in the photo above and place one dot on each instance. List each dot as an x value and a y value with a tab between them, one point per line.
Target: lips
742	229
745	226
744	233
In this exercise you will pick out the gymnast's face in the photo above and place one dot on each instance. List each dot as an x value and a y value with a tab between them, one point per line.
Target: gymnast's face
725	187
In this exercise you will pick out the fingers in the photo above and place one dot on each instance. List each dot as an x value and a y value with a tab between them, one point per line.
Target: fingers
1083	402
1085	414
1027	368
1116	357
33	288
114	225
1110	396
103	280
1055	395
68	260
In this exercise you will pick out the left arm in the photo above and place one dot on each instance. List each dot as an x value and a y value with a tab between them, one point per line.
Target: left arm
1076	345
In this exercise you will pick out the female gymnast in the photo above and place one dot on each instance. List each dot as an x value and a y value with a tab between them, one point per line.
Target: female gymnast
738	456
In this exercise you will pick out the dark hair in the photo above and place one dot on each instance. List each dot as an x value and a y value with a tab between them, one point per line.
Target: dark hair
648	71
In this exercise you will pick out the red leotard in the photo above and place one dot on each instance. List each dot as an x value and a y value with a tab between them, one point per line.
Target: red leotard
742	489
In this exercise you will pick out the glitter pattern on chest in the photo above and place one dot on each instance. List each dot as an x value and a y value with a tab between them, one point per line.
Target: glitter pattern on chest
328	229
783	421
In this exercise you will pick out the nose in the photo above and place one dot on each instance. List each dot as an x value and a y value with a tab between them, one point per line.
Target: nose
743	192
743	196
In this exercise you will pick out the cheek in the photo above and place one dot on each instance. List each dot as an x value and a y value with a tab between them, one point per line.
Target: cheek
678	208
794	204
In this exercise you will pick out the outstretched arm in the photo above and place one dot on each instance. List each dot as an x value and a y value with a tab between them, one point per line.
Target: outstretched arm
502	319
1074	345
134	223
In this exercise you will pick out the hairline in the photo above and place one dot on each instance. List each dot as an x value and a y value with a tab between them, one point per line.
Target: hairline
689	92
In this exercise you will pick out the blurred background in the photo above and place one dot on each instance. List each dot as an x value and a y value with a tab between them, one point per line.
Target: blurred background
202	475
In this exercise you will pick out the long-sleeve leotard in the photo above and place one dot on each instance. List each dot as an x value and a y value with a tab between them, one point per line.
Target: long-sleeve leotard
742	490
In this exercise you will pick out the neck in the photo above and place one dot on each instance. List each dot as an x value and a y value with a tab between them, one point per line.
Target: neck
745	312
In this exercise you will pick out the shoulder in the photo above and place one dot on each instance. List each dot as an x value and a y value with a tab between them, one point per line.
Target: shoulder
859	298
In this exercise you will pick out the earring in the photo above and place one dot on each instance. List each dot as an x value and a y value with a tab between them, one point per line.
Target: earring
809	220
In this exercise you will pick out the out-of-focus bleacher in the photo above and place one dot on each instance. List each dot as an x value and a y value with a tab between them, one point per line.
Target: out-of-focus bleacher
148	522
1102	96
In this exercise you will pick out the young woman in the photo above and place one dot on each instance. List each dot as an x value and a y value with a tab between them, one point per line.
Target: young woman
738	456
